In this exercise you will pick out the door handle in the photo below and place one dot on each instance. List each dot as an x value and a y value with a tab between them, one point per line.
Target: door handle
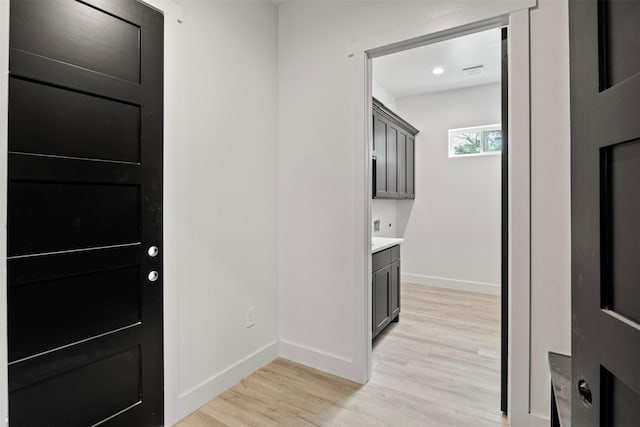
585	393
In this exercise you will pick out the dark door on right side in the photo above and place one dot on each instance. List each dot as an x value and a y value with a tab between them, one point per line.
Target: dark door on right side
605	192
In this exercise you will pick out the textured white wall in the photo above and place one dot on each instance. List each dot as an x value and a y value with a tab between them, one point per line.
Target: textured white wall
456	213
227	195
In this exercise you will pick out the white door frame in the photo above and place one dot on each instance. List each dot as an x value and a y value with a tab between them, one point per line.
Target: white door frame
491	16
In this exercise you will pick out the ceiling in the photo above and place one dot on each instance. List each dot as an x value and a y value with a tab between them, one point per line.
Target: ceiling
409	72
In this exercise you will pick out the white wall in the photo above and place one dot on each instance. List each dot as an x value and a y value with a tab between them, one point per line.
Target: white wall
316	157
227	195
384	210
456	213
550	194
317	194
383	95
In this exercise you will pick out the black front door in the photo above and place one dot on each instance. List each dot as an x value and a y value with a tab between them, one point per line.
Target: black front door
85	213
605	163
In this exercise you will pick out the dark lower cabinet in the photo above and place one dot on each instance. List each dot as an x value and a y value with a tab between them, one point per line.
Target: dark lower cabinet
395	289
381	299
385	288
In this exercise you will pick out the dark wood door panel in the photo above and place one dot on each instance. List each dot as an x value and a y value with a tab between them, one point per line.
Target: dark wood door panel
411	147
98	40
48	314
71	124
79	385
50	217
392	160
394	291
619	38
37	68
380	152
402	164
381	308
605	160
84	204
27	167
621	228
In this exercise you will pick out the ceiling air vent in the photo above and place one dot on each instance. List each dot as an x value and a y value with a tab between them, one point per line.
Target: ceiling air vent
473	71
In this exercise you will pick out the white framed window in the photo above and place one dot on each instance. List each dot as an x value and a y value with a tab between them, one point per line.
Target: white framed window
475	141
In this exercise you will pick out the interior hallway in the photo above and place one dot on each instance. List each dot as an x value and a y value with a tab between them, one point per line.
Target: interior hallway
439	366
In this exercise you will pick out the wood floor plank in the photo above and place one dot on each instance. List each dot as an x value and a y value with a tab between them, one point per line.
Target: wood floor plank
439	366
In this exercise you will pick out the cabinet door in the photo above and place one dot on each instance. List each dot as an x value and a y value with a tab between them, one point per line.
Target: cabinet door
380	129
411	191
402	165
395	289
381	304
392	160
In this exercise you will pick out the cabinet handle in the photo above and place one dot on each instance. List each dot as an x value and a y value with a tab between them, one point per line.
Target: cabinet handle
374	172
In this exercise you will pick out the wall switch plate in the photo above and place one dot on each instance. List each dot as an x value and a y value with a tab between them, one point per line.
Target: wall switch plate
376	225
250	319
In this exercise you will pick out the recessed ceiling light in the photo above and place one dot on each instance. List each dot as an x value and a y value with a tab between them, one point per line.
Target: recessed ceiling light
437	71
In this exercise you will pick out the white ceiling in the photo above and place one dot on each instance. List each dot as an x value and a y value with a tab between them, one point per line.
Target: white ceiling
409	73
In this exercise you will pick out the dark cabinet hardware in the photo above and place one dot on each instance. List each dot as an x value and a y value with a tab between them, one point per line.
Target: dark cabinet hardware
585	393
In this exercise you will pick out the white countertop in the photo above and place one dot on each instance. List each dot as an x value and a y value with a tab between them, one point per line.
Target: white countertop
380	243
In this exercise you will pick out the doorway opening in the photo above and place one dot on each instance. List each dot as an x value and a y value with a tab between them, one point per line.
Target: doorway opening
439	214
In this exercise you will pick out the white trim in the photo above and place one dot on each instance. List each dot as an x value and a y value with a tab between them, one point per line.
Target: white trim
331	363
519	220
4	121
455	284
193	399
537	421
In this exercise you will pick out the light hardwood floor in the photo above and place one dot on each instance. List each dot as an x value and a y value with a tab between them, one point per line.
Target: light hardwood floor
439	366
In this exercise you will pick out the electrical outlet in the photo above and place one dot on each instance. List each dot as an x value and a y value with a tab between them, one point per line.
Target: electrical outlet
250	320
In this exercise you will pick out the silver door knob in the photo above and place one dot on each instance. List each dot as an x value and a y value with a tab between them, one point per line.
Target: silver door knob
153	251
153	276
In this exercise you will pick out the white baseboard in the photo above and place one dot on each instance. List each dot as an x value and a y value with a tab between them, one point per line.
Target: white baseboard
538	421
459	285
190	400
318	359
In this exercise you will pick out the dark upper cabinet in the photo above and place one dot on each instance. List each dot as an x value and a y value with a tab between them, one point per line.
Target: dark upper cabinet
393	155
380	130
